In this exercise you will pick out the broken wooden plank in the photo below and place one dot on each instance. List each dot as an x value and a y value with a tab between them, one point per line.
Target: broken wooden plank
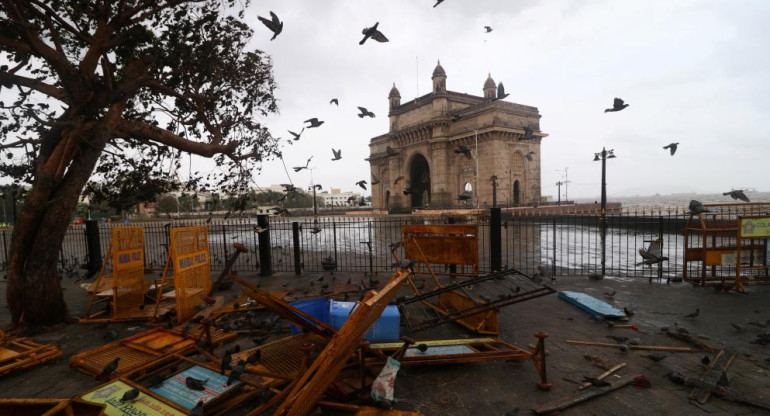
591	305
726	393
584	397
633	347
603	375
727	365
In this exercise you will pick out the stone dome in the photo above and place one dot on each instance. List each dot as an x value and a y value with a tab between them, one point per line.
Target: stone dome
439	71
489	83
394	92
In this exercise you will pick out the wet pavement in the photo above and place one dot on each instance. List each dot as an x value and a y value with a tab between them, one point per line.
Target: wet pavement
498	388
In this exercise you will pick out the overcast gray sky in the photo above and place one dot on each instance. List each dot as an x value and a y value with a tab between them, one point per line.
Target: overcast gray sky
694	72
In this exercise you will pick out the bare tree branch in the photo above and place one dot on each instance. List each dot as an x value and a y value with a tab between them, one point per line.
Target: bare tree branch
148	133
37	85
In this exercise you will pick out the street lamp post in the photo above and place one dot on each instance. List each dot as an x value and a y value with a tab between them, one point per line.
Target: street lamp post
476	184
603	156
494	191
558	192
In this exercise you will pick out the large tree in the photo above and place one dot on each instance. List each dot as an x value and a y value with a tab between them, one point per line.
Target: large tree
105	87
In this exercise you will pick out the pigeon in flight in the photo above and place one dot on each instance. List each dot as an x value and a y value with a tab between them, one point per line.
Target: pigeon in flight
464	150
528	133
696	208
372	32
487	29
375	180
299	168
314	122
501	91
296	135
529	155
315	230
617	105
362	184
335	102
672	147
408	192
351	200
365	113
337	154
397	180
738	194
437	3
287	187
391	151
275	25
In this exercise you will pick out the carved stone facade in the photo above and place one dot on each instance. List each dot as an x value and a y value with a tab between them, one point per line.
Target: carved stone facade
422	153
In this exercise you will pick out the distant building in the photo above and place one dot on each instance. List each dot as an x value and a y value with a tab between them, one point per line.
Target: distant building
337	198
426	160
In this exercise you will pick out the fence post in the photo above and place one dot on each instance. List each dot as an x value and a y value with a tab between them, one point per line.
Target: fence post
297	257
660	235
452	267
265	253
553	263
94	247
495	236
224	242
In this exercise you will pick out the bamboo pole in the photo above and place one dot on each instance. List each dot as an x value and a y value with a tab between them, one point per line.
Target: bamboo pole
634	347
584	397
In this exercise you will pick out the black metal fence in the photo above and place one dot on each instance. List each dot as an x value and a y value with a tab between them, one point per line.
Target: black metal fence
561	245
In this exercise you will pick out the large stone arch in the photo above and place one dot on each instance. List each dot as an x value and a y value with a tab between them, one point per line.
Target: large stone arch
518	166
419	180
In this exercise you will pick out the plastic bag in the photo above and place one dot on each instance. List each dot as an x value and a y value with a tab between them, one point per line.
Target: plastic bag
383	386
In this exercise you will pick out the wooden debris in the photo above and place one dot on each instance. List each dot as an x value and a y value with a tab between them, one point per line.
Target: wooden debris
726	393
581	398
603	375
598	361
633	347
690	339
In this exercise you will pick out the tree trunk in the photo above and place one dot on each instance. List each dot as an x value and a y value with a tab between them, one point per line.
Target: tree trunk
34	292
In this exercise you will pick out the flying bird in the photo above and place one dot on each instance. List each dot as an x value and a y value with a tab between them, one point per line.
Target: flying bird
652	254
693	314
365	112
671	147
337	154
529	155
696	207
375	180
275	25
296	135
299	168
362	184
130	395
487	29
372	32
617	105
315	230
335	102
314	122
464	150
738	194
398	179
195	384
391	151
408	192
501	91
528	133
437	3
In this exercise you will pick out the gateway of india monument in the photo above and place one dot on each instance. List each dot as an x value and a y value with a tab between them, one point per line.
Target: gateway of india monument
445	144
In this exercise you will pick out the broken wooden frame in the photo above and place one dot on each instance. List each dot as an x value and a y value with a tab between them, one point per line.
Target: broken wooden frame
302	395
144	349
17	353
169	366
49	407
124	288
709	236
455	245
454	303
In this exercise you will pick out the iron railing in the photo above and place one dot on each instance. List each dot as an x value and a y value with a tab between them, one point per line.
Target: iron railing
561	245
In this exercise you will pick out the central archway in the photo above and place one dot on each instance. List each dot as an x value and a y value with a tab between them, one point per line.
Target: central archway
419	181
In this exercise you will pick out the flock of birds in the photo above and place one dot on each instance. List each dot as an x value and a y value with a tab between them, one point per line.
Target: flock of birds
275	25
